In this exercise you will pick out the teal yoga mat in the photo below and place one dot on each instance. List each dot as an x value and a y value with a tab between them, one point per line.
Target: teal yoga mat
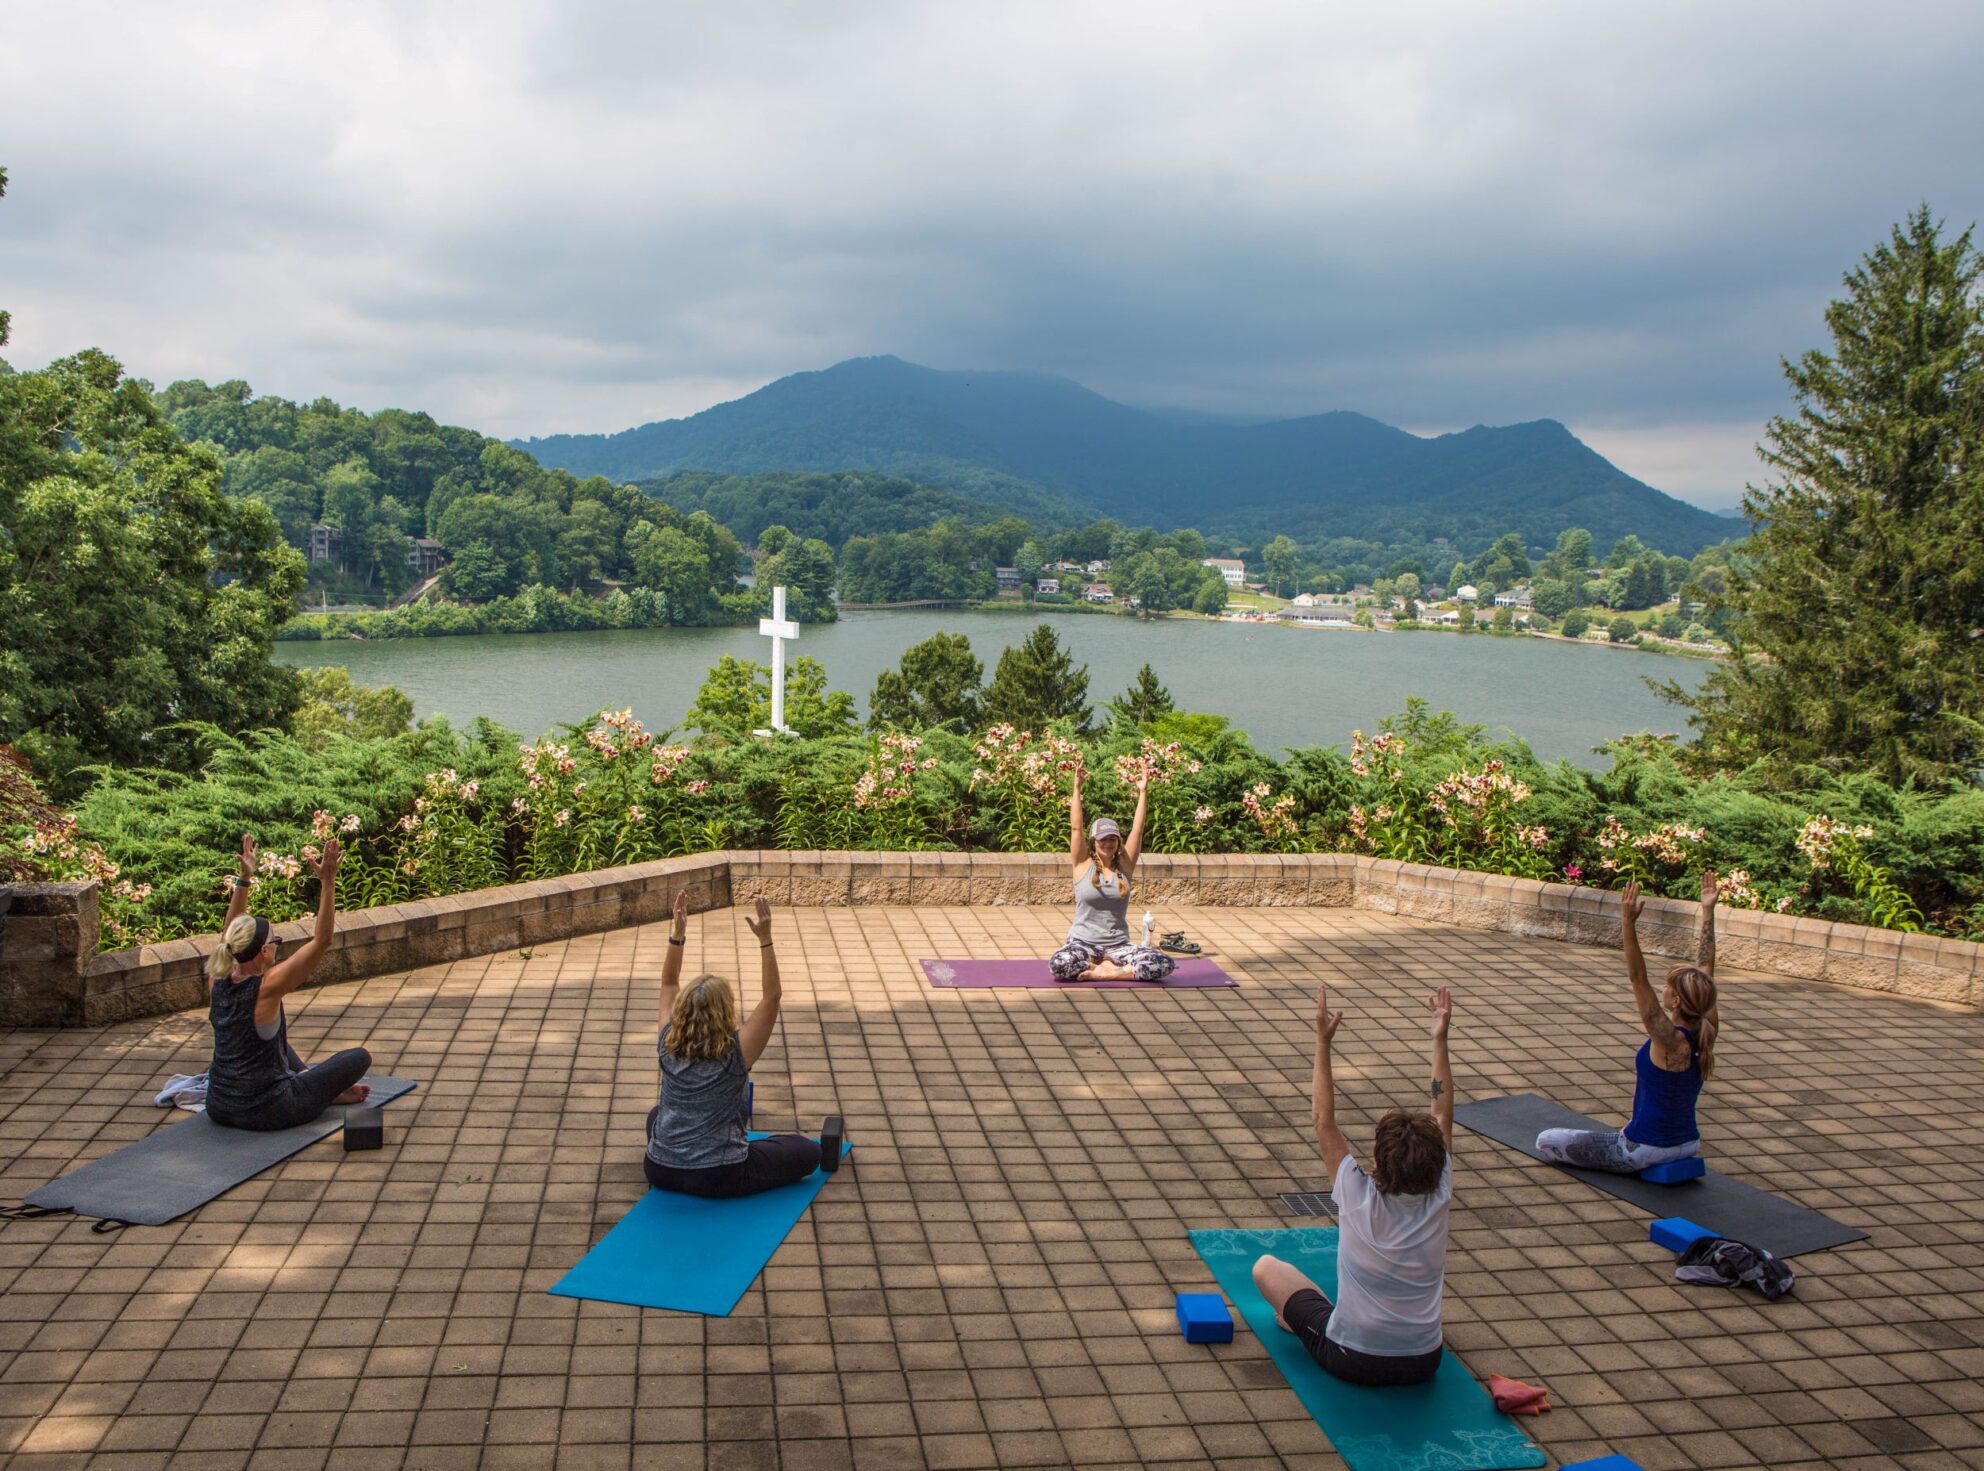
1449	1424
692	1255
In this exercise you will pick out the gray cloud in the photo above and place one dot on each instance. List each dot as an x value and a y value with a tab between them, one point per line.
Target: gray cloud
554	217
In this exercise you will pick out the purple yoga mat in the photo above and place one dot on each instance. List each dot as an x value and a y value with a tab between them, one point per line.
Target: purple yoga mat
1193	970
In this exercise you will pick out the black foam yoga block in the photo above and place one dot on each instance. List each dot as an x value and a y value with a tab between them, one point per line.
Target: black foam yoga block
831	1134
364	1128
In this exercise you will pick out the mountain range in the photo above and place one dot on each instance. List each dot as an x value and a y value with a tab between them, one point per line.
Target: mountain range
1053	450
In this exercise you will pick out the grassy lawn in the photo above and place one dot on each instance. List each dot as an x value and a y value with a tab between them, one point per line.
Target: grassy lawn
1258	602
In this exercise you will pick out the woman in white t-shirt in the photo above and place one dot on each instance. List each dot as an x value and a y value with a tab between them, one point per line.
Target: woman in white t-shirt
1384	1327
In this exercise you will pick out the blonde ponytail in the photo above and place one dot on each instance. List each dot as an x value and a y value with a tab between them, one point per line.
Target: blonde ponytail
220	964
1694	990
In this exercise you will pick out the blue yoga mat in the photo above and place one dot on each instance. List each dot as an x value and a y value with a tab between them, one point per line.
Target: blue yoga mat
1449	1424
693	1255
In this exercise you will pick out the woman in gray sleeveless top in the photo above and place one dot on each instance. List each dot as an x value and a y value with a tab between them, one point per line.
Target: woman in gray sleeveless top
697	1140
256	1080
1099	946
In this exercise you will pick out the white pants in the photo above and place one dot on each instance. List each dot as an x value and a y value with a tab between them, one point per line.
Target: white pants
1603	1149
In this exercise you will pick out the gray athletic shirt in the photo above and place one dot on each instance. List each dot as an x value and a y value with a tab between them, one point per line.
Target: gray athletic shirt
701	1120
1102	908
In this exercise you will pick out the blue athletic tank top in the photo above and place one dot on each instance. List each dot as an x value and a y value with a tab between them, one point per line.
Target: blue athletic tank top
1664	1102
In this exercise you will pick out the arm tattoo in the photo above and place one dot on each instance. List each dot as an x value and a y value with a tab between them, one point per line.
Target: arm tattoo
1436	1088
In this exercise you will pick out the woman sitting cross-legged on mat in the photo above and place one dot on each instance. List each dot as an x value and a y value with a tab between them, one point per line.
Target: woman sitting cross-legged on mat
256	1080
1098	947
1391	1265
697	1142
1677	1057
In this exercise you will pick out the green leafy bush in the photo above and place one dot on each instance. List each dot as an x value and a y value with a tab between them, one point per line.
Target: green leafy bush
436	810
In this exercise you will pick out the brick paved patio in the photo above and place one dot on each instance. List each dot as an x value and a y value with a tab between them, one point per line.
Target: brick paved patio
990	1283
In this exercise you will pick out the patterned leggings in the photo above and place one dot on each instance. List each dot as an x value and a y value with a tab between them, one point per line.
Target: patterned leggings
1076	956
1609	1150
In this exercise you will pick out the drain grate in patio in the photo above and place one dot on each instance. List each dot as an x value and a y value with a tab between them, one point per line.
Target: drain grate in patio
1309	1203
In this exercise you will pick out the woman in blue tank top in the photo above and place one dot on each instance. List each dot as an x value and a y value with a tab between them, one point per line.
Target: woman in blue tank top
1677	1057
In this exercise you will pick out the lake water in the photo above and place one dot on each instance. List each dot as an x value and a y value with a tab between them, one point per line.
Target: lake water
1284	686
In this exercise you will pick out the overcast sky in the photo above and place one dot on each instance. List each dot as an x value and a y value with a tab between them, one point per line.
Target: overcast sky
555	217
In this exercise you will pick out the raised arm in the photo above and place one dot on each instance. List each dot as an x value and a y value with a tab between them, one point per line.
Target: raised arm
757	1031
1133	845
1329	1138
1441	1003
1658	1027
239	885
1077	837
286	975
671	968
1705	952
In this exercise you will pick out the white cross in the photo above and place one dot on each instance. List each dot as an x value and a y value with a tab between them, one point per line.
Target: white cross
778	630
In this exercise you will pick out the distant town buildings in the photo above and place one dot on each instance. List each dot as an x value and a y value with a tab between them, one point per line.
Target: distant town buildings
1320	612
424	556
1008	578
1233	570
1099	592
1048	585
325	547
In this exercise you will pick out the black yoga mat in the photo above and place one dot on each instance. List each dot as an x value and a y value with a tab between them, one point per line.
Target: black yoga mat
1725	1206
184	1165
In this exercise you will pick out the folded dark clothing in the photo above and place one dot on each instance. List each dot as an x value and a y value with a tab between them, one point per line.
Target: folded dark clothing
1718	1261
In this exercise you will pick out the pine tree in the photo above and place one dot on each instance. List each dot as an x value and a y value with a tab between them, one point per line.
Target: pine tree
1864	583
1143	701
1036	683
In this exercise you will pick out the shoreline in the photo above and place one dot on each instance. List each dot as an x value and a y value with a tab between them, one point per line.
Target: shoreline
307	632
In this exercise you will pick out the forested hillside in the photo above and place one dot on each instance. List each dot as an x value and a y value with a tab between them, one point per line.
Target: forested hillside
1003	437
836	507
503	522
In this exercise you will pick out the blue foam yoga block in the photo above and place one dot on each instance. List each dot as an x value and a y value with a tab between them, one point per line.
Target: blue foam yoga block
1604	1463
1675	1171
1676	1233
1204	1317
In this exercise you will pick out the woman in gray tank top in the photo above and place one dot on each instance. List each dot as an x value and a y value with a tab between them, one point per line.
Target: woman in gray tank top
1102	859
697	1140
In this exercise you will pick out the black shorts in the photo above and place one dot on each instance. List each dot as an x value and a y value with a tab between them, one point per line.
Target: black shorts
1308	1313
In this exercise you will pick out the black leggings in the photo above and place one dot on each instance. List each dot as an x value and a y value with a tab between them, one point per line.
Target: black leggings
779	1160
1308	1313
301	1096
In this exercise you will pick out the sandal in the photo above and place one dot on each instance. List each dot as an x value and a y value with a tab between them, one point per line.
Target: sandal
1177	943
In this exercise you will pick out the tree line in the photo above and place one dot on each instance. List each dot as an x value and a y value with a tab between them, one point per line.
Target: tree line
147	555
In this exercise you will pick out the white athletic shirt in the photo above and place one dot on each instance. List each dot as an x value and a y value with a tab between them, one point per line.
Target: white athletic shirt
1391	1264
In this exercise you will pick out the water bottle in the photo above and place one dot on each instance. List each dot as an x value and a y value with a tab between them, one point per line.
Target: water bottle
1150	923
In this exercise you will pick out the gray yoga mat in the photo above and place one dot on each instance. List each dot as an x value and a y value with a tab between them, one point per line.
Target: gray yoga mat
184	1165
1725	1206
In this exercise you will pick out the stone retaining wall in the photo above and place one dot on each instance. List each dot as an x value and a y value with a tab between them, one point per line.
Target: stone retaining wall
50	974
